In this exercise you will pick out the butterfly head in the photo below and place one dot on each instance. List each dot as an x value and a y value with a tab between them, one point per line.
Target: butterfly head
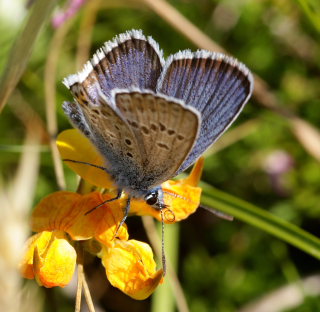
154	198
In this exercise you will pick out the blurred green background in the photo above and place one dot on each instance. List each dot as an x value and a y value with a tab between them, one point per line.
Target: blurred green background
221	265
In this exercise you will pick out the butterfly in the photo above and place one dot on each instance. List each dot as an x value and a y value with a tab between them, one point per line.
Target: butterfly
152	118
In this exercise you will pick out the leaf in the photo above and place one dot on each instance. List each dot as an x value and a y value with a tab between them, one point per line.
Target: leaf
261	219
311	9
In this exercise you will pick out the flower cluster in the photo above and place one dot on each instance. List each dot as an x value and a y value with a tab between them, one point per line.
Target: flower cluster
61	222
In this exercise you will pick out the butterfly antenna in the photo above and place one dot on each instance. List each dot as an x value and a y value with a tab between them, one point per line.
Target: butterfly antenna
177	195
85	163
218	213
163	255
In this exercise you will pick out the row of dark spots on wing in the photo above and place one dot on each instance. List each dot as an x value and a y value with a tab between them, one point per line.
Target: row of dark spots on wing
128	143
79	94
154	128
95	113
146	130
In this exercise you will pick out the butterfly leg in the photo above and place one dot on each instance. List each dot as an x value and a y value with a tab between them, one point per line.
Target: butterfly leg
106	201
126	213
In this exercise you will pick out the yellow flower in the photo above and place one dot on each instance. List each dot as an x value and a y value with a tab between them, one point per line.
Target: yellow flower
130	267
66	211
49	258
73	145
61	220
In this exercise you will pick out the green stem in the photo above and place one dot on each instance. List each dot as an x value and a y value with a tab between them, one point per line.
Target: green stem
163	299
22	48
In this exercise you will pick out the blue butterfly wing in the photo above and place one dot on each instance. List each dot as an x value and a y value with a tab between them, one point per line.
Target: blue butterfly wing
216	85
130	60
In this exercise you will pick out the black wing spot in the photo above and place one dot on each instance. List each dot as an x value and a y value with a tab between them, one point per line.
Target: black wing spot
96	111
106	113
134	124
162	145
130	155
154	127
171	132
180	137
75	117
85	102
128	141
162	127
145	130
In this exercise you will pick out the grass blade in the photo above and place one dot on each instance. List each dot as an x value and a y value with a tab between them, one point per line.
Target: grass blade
22	48
261	219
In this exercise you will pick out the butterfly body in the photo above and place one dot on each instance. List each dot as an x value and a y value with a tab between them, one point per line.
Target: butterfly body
150	118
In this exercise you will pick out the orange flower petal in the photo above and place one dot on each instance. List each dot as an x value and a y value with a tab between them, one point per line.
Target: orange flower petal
194	177
130	267
107	228
100	223
55	211
73	145
182	197
181	200
54	263
66	211
39	240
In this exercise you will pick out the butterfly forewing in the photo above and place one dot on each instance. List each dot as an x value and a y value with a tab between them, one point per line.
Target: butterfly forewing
216	85
75	114
130	60
165	128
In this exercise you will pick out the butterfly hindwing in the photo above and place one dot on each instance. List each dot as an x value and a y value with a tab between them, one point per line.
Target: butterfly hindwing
216	85
165	128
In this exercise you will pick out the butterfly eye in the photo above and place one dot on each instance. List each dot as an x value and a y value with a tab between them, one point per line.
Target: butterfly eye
151	199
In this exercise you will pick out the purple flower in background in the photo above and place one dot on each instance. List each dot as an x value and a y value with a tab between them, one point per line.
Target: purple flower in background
276	165
72	8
